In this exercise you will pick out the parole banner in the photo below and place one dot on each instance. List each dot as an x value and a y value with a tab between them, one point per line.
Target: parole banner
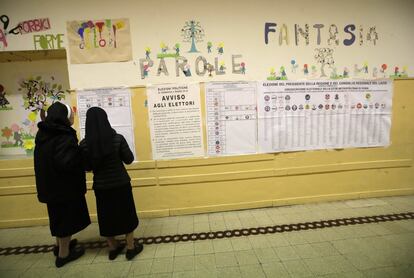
323	114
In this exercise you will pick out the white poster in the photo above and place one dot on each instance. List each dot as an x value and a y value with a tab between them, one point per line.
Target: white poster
175	121
117	104
323	114
231	118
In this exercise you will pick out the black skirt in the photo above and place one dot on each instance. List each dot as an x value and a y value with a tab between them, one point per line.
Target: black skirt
116	211
68	218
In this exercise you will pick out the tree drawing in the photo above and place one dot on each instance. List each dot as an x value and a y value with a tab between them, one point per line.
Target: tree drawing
192	31
37	94
324	56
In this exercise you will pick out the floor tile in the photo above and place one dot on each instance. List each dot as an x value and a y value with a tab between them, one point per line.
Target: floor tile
249	271
203	247
275	269
141	267
184	249
225	259
228	272
162	265
205	262
185	263
286	253
247	257
222	245
266	255
297	268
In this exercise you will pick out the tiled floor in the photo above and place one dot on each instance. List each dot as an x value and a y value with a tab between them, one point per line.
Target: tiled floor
384	249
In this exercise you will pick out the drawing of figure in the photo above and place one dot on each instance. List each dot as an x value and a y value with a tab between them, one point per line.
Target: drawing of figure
222	67
164	48
384	70
220	48
305	69
177	49
396	71
294	65
210	69
17	136
375	72
147	53
314	71
243	67
3	99
356	70
209	46
283	73
404	72
365	67
272	74
187	71
334	75
146	70
346	72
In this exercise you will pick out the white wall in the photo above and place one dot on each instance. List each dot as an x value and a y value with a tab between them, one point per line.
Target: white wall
238	24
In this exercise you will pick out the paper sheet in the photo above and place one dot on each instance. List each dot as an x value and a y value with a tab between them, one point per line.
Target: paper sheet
175	121
231	118
323	114
117	104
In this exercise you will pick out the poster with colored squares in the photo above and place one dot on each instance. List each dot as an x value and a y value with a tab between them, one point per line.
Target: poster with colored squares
231	118
323	114
117	104
99	41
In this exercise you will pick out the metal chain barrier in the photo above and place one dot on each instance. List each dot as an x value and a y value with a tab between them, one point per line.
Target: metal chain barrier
34	249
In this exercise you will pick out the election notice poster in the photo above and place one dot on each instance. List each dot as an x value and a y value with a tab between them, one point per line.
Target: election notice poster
175	121
323	114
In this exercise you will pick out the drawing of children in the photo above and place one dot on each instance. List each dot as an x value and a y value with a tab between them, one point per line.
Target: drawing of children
243	67
209	46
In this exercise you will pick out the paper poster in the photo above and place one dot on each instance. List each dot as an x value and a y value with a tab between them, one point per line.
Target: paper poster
175	121
321	114
231	118
117	104
99	41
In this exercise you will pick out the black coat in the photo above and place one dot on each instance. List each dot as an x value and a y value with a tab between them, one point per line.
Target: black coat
60	176
110	172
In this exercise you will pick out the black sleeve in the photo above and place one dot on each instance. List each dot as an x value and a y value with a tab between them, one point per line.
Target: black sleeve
126	155
67	154
87	165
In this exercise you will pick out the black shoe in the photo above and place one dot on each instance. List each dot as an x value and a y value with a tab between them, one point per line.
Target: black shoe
114	253
131	253
72	245
73	255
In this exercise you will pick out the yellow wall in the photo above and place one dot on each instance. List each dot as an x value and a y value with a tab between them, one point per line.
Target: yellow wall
175	187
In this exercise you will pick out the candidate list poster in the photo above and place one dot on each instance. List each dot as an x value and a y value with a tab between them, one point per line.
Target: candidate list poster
323	114
117	104
175	121
231	118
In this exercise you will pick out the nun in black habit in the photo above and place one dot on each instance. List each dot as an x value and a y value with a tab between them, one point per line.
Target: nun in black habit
105	152
60	180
